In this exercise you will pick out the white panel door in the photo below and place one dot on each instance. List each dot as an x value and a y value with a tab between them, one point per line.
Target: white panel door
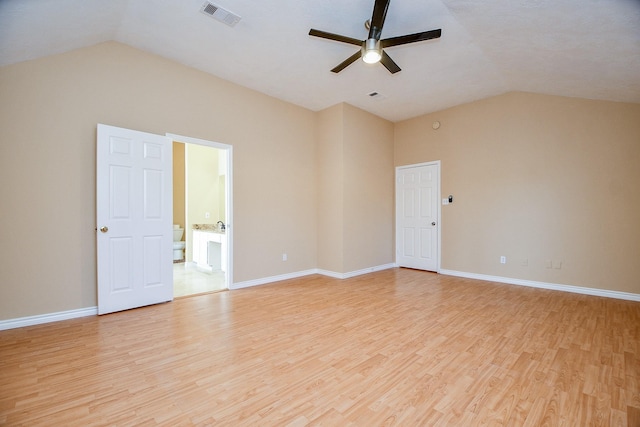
134	216
417	209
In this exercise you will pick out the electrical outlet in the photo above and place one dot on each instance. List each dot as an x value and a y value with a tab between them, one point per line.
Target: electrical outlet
503	259
284	257
207	215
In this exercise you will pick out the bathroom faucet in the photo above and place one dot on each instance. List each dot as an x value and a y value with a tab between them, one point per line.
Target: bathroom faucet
222	227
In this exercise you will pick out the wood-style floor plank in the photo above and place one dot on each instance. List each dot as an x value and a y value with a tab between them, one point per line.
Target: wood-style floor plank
396	347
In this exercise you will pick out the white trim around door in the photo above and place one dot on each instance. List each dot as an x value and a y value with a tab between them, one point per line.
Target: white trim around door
228	195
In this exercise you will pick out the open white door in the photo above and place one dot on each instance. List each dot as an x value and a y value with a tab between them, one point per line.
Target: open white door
134	215
417	211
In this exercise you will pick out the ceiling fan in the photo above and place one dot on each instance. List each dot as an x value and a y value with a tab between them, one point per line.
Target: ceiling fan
371	49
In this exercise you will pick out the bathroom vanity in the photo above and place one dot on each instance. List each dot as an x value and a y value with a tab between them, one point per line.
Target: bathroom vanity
209	247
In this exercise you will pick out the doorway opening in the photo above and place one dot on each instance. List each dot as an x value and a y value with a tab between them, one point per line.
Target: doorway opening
202	209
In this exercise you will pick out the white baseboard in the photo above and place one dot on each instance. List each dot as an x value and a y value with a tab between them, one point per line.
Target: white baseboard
357	272
47	318
92	311
553	286
265	280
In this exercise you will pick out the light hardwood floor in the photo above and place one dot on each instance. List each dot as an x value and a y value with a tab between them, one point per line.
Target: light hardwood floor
396	347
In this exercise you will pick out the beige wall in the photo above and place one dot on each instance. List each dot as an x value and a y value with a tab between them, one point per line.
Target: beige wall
202	189
179	185
355	190
222	185
368	190
536	178
330	167
49	109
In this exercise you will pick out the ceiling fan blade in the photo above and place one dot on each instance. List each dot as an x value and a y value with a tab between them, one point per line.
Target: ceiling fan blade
411	38
336	37
344	64
377	18
388	63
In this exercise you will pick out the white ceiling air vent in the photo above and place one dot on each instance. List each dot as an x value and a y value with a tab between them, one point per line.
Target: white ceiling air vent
376	95
220	14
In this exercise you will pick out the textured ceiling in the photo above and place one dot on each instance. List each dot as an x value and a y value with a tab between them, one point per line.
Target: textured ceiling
577	48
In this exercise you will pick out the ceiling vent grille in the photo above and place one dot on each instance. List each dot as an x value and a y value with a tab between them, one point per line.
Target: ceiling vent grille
220	14
376	95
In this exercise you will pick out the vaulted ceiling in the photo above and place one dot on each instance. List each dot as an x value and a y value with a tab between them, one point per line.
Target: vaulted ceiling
577	48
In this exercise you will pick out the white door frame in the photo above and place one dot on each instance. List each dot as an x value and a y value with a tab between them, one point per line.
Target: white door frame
228	195
439	195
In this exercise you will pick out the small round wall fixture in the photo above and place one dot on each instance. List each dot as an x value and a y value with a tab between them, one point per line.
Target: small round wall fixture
436	125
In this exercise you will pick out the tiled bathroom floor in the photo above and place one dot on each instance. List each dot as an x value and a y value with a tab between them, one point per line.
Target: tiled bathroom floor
190	280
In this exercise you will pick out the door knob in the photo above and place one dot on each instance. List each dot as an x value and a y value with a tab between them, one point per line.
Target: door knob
104	229
433	223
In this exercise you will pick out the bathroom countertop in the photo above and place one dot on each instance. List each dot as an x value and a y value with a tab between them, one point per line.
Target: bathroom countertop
210	228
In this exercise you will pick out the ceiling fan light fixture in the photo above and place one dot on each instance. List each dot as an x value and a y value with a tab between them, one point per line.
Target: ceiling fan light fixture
371	51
